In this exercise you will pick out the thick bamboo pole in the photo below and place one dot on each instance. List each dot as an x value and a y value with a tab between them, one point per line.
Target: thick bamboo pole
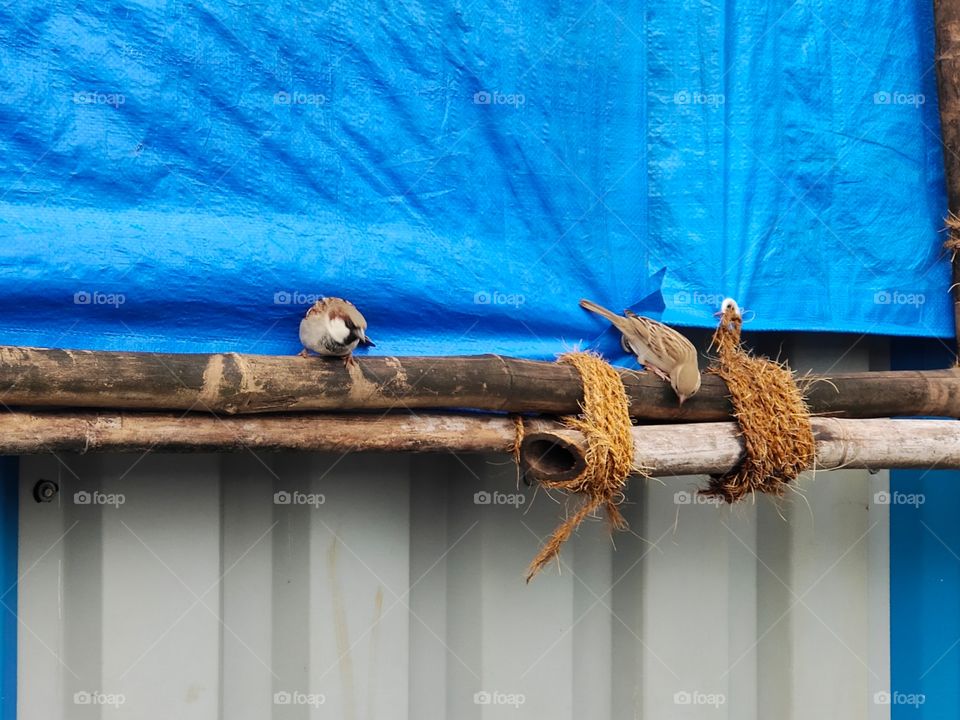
947	21
715	448
237	384
549	450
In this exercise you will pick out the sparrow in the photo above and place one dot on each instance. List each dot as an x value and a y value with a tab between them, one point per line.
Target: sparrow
333	328
658	347
729	304
730	310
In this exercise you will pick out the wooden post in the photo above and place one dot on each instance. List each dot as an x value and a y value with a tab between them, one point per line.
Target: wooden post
241	384
947	21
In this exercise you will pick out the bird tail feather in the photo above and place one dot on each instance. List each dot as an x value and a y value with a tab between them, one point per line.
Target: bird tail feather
601	311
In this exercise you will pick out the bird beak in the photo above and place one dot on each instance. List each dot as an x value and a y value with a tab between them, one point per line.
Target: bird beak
718	314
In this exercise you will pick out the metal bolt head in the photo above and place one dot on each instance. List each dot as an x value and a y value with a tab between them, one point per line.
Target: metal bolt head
45	491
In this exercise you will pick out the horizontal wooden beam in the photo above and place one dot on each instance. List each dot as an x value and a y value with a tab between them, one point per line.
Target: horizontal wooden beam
549	450
238	384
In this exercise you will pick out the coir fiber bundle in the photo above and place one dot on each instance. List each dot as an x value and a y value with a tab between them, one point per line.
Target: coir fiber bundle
771	413
605	422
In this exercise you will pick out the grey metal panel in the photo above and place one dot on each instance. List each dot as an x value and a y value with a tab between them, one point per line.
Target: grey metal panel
401	597
835	586
699	597
247	597
41	656
427	657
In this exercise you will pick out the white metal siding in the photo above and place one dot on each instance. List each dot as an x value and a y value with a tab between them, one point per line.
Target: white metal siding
400	597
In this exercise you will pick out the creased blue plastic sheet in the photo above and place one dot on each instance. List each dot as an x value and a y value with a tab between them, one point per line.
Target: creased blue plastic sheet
187	177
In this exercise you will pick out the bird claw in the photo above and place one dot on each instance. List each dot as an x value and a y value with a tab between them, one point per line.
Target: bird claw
304	353
348	361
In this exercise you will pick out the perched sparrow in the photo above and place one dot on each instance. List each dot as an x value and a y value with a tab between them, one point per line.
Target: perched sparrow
662	349
333	327
729	304
731	311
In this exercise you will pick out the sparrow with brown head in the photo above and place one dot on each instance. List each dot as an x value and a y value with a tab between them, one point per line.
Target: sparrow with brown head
333	327
658	347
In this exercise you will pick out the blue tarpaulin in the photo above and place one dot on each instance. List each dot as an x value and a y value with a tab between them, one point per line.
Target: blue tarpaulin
180	176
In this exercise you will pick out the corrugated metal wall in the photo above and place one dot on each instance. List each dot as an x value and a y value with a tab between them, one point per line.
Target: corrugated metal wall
386	588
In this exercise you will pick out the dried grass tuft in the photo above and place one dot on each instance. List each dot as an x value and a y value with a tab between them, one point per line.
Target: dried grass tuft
952	223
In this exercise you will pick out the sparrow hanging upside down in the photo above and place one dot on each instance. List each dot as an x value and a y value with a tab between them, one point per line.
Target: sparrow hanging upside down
333	328
658	347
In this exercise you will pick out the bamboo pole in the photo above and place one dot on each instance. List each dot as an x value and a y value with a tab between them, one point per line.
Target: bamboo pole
947	22
87	431
549	450
238	384
715	448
